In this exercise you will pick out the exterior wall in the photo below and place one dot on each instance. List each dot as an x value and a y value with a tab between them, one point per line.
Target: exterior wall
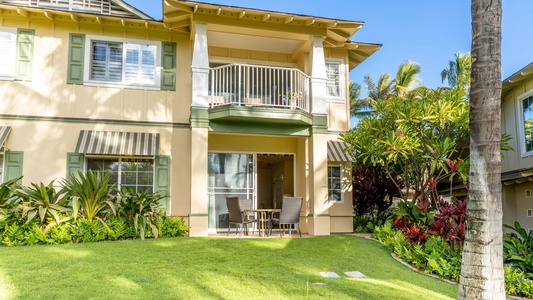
48	94
46	114
342	213
517	203
513	160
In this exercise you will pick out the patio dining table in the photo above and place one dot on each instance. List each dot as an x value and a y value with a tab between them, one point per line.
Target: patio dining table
263	215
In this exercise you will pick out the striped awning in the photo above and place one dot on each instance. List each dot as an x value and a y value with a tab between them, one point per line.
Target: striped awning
4	132
336	152
118	143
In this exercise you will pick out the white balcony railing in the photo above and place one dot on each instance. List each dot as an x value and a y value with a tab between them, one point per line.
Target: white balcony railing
249	85
97	6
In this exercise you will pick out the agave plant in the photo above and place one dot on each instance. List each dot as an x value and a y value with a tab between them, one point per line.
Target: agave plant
45	201
140	208
91	194
9	202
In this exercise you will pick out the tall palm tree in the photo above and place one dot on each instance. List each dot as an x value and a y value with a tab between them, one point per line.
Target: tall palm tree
381	90
407	77
458	72
482	275
358	107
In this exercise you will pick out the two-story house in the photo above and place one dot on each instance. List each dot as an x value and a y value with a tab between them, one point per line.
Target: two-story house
212	101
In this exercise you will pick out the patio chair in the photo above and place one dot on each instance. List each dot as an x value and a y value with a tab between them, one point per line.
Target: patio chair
290	214
247	205
236	215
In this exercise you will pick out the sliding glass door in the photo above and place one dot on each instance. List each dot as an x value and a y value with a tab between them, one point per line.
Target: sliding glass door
230	175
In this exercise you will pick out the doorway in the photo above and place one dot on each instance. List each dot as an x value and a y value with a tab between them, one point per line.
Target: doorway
263	178
275	178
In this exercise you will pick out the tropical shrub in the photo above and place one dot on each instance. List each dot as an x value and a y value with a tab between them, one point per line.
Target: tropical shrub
84	231
518	249
420	212
44	201
450	221
171	226
434	256
9	203
372	193
119	228
141	209
13	235
517	283
91	194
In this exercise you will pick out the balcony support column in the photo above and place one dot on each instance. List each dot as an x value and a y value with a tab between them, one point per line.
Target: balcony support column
318	76
199	120
200	67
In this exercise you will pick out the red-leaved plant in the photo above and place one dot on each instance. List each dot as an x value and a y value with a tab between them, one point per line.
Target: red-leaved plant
450	221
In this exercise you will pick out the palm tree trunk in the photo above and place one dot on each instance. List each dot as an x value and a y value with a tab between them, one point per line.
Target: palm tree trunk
482	266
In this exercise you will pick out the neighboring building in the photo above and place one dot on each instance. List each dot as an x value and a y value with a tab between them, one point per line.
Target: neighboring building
212	101
517	165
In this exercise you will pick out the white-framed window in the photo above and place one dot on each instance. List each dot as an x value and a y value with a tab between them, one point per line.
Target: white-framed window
334	81
122	62
8	43
525	123
136	173
335	193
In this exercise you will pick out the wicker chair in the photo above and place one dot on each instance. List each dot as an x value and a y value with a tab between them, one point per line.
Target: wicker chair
236	215
290	214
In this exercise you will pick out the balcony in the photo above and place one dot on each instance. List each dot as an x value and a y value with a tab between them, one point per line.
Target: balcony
258	86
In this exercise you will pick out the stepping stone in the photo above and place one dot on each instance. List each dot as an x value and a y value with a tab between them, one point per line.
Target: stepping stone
355	274
319	283
329	275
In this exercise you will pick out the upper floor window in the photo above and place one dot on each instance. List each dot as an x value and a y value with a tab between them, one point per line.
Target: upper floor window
116	62
334	184
8	39
334	77
527	127
123	62
16	53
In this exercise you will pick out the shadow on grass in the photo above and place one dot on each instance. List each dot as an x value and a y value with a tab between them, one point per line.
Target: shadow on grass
213	268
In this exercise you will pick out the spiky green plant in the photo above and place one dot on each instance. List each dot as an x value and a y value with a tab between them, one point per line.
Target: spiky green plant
140	208
91	194
44	201
9	202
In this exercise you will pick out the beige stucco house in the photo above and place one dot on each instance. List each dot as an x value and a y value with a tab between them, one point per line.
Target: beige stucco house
517	165
212	101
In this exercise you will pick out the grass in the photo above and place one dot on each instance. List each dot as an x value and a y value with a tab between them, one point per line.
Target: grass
212	268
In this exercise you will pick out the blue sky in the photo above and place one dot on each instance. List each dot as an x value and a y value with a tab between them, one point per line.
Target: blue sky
427	32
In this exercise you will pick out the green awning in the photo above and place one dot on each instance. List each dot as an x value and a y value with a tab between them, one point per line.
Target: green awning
4	132
336	152
118	143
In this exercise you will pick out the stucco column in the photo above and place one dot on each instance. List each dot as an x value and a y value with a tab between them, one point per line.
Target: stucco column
319	218
198	216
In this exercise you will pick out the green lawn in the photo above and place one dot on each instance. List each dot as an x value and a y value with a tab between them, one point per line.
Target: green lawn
212	268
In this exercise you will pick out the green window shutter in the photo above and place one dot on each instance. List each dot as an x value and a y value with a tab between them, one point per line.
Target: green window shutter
76	55
24	65
75	163
13	165
162	180
168	64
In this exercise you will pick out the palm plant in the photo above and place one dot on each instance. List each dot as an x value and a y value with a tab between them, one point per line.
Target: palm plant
381	90
458	72
45	201
358	107
407	77
91	193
